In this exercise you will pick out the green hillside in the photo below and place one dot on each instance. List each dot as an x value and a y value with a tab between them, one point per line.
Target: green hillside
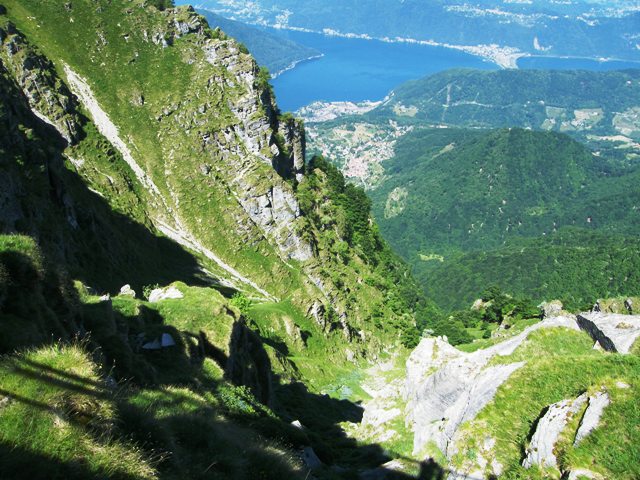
184	294
454	198
142	152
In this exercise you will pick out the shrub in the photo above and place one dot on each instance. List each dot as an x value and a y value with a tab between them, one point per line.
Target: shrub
241	302
147	289
162	4
239	401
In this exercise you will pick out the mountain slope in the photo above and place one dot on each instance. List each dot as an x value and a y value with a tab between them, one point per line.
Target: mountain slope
271	51
197	133
175	286
458	192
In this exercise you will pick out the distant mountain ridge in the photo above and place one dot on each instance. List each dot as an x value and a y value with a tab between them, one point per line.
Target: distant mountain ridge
500	29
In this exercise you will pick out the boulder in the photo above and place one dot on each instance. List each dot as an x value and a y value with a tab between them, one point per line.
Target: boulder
167	341
614	332
127	291
310	458
164	341
551	309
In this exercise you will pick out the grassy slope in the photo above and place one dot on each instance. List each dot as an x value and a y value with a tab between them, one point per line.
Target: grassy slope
171	395
169	146
165	77
174	413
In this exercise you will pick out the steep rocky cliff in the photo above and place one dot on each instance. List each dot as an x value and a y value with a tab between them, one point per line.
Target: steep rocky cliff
173	273
173	125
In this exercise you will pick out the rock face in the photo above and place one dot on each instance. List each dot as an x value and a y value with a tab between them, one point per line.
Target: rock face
550	426
49	99
591	418
614	332
446	387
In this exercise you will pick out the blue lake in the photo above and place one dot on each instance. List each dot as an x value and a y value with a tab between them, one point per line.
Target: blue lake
356	70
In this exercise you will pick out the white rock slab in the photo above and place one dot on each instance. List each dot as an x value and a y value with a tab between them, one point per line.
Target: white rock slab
159	294
550	426
591	418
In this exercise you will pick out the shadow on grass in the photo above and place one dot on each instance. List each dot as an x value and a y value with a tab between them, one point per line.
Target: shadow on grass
192	437
17	462
194	433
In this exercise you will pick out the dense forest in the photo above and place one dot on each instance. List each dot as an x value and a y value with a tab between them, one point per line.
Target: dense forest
535	212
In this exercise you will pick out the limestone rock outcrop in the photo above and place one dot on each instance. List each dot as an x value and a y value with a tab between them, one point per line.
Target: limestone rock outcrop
541	449
50	100
446	387
591	417
159	294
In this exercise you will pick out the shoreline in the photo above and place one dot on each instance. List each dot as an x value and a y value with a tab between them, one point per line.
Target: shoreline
578	57
502	56
294	64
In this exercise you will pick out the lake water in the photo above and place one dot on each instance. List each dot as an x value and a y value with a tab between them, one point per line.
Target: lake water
556	63
356	70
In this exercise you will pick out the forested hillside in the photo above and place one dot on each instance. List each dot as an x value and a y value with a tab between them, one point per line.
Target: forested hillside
508	207
600	109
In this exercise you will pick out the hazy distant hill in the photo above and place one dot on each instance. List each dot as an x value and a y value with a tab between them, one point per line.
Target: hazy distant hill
603	29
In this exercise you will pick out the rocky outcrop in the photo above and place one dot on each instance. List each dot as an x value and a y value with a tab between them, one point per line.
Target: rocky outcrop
159	294
541	448
614	332
273	209
551	309
127	291
48	97
591	417
582	474
178	23
446	387
294	136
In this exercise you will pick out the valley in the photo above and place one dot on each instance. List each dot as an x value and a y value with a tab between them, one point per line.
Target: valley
414	278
